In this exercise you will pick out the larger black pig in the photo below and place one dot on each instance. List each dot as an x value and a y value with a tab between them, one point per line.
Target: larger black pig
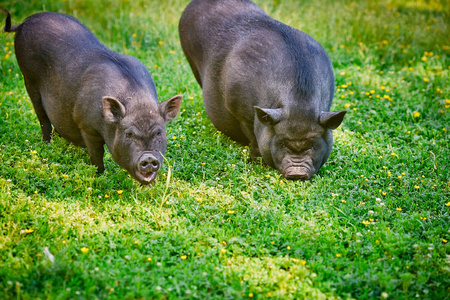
92	95
264	83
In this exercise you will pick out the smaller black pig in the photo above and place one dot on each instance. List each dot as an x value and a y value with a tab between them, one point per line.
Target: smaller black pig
92	95
264	83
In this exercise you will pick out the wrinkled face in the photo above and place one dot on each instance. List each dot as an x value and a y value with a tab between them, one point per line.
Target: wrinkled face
297	155
137	136
297	148
139	147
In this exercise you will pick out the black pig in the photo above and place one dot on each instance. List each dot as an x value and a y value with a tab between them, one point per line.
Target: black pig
264	83
92	95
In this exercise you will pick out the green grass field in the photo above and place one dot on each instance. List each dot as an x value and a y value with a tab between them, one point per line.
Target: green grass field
373	224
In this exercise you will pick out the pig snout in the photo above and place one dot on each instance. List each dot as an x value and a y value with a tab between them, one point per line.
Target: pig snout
297	168
297	173
147	167
148	163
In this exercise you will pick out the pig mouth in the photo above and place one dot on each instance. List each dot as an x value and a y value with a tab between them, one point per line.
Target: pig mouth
146	178
297	173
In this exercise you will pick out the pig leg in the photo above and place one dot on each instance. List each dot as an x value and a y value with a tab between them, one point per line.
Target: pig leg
44	121
248	130
96	150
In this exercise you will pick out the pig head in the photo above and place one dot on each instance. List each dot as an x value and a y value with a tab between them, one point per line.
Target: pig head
295	143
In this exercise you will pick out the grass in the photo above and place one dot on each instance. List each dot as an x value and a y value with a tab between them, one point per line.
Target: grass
373	224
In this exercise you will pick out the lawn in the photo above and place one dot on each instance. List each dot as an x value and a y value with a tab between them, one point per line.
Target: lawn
374	223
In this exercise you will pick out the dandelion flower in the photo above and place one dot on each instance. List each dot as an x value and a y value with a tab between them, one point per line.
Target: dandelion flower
444	241
338	255
223	250
366	222
398	209
120	192
183	257
288	247
230	212
84	249
417	187
302	262
29	230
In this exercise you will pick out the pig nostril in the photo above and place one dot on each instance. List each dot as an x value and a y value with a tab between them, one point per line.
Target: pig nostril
149	164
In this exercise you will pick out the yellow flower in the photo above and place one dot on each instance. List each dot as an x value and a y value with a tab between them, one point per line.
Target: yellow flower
223	250
84	249
400	176
29	230
203	163
444	241
134	35
366	222
399	209
424	58
288	247
447	204
230	212
120	192
183	257
136	242
343	201
250	295
198	199
426	79
149	259
302	262
338	255
160	42
106	196
417	187
372	92
174	137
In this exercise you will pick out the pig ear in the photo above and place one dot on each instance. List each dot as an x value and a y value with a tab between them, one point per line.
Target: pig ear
268	116
170	108
331	120
113	110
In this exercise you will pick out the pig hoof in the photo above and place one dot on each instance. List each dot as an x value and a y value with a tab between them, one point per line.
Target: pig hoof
294	173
